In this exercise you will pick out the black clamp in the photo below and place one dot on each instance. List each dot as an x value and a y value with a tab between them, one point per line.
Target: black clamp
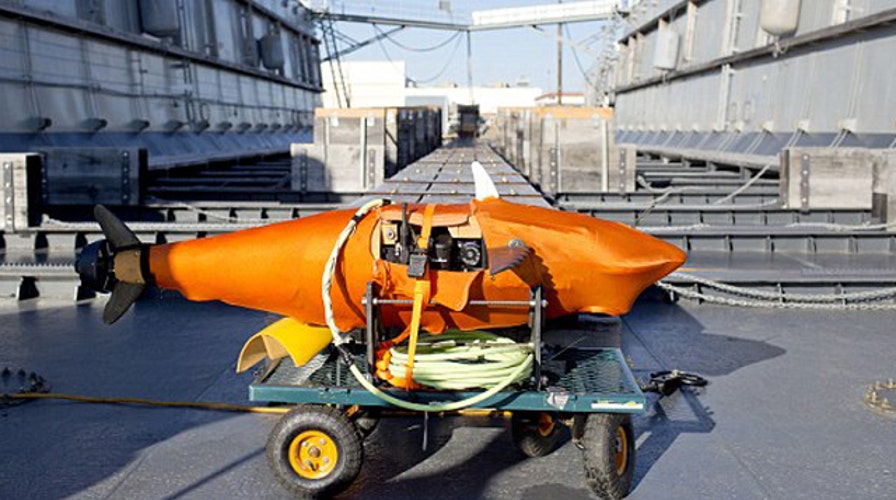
20	382
667	382
417	264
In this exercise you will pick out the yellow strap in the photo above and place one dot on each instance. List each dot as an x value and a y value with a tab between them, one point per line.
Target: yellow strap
421	290
423	240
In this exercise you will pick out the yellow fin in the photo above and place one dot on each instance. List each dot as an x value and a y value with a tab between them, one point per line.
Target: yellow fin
287	336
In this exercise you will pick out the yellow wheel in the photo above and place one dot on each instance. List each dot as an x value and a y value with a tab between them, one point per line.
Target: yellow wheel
620	458
534	433
608	453
313	454
315	451
546	424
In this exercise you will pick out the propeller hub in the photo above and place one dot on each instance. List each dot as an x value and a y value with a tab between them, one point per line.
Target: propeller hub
94	266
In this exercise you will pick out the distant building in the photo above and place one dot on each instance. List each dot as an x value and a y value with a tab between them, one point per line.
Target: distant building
489	99
384	83
369	84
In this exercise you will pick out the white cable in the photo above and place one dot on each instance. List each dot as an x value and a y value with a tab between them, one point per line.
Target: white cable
878	294
330	267
691	294
746	186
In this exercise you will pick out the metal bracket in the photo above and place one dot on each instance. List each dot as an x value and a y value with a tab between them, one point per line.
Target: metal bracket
125	175
371	168
804	182
303	171
555	170
622	168
8	195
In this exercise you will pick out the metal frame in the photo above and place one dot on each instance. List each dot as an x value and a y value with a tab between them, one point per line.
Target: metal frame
283	383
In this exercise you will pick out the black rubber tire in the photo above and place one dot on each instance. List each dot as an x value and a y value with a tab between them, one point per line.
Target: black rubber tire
327	420
599	451
524	428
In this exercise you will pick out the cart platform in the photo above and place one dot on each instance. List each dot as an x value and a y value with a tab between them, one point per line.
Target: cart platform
578	380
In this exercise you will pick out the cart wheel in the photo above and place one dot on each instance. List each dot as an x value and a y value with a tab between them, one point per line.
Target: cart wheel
608	448
315	451
534	433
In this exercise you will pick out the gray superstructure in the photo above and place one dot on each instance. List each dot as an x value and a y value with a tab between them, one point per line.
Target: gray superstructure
189	80
750	77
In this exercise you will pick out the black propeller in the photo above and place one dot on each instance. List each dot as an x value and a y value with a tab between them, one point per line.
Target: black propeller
96	264
119	236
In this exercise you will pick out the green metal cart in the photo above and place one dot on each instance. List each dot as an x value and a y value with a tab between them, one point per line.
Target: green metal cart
316	449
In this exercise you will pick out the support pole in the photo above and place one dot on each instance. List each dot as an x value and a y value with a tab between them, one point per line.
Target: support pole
470	66
559	61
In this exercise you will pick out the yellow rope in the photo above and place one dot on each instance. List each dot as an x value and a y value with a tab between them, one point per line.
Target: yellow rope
148	402
218	406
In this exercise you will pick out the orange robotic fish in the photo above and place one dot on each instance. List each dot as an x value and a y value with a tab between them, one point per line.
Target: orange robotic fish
447	256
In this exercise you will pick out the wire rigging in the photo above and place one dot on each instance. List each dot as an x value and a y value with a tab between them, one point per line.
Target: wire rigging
444	69
416	49
383	47
575	56
457	39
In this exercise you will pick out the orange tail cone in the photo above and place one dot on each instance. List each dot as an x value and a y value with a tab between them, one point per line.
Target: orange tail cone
274	268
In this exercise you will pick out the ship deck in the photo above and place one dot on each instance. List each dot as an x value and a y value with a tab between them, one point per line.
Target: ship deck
782	417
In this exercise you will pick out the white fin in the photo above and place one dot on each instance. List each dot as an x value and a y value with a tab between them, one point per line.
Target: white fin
485	188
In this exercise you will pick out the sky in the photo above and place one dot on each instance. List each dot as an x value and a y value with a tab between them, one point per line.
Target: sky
501	56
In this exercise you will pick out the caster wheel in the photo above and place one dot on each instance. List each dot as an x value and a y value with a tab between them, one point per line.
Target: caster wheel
366	422
315	451
608	449
534	433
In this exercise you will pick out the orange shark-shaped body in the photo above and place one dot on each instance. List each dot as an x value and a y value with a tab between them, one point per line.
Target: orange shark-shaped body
442	262
585	265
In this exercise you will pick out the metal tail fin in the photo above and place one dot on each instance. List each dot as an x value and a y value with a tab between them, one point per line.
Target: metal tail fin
485	188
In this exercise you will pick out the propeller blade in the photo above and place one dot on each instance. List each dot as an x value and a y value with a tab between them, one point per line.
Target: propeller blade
116	232
123	295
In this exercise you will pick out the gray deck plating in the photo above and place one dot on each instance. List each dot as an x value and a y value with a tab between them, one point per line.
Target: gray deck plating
782	418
